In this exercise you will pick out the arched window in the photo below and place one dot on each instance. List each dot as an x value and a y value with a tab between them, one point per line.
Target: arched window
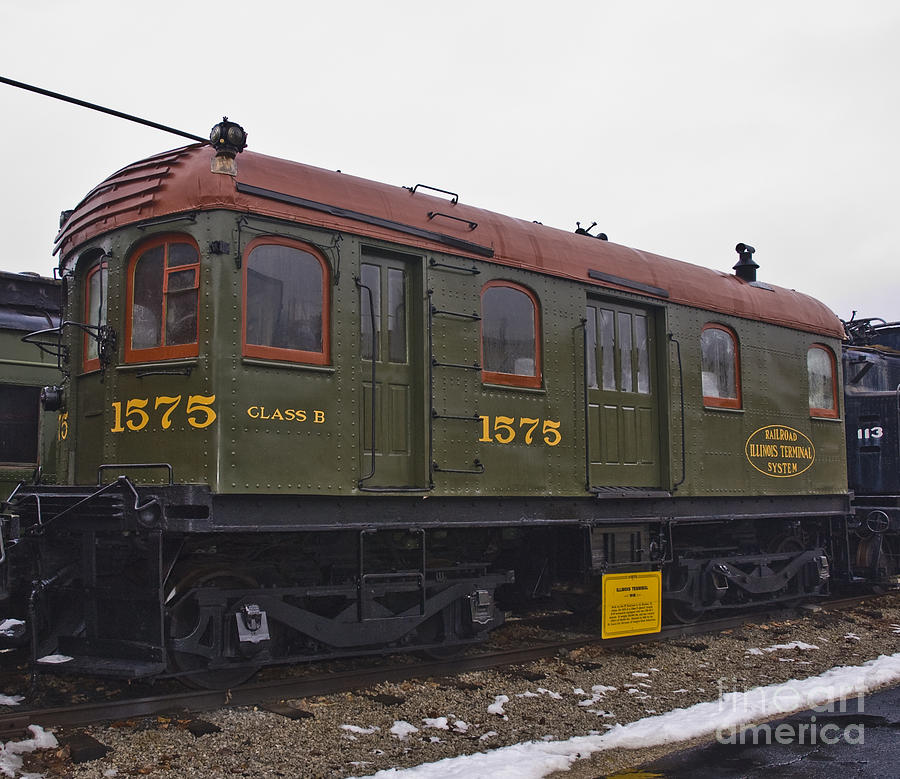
720	367
286	302
510	335
95	296
820	366
163	281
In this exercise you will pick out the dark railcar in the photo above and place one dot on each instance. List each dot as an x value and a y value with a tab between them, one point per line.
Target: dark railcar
872	401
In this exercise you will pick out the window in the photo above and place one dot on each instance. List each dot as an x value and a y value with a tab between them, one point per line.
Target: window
19	412
95	295
286	303
396	325
618	350
720	367
164	277
510	349
820	365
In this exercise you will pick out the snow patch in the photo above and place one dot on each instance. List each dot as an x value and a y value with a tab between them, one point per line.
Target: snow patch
10	760
53	659
536	759
497	706
597	692
783	647
401	729
9	627
541	691
361	731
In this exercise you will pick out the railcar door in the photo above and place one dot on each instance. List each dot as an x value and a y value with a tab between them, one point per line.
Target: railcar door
623	403
392	331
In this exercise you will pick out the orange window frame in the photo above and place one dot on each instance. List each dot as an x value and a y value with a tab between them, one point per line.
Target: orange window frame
164	352
91	364
826	413
716	402
275	352
514	379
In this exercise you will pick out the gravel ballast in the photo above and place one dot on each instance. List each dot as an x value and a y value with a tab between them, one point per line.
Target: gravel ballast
584	691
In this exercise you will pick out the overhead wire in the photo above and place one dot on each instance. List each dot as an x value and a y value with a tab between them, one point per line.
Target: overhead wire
102	109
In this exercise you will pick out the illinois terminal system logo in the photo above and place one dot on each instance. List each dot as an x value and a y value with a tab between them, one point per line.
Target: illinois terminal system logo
780	451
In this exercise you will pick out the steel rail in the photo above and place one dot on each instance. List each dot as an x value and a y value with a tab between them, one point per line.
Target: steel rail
13	723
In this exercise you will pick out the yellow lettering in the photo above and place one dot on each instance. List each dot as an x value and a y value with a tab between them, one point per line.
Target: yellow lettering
780	434
172	403
500	430
137	418
117	409
798	452
201	405
783	469
531	424
285	414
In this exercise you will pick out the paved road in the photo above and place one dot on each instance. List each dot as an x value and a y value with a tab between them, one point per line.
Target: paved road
859	738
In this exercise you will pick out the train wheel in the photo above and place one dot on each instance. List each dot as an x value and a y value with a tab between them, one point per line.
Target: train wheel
186	619
438	629
676	579
682	613
793	545
888	566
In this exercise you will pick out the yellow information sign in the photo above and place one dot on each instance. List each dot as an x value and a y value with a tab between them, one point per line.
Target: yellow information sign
632	604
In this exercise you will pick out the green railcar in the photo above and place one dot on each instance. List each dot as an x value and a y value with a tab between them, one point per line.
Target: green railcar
27	434
307	414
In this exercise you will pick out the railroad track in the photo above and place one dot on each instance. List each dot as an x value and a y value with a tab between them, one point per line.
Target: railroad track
187	702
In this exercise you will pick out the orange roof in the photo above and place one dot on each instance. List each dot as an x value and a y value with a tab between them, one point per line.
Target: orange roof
180	181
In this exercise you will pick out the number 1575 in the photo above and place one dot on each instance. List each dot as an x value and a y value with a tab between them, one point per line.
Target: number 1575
198	412
504	430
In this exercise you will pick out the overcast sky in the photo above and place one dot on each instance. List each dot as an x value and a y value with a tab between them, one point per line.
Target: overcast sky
682	128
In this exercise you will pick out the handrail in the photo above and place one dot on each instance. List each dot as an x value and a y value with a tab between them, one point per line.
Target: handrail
360	285
453	200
